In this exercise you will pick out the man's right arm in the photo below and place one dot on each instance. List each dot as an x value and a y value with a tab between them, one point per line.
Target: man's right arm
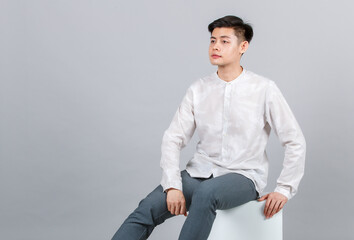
176	137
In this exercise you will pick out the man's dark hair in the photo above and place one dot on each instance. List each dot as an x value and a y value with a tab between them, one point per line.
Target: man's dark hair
243	31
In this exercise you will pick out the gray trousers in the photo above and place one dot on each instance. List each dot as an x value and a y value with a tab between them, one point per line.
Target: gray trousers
203	196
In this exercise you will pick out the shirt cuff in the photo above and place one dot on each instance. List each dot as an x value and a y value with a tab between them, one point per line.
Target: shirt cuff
283	191
177	185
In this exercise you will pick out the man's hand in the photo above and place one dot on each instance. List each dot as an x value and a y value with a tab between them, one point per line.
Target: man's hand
275	202
176	202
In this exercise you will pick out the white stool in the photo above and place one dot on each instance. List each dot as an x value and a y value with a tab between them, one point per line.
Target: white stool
247	222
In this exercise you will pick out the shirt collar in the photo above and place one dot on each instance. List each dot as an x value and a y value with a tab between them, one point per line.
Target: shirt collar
241	76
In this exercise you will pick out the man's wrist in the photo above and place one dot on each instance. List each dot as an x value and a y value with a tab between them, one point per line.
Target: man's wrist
169	189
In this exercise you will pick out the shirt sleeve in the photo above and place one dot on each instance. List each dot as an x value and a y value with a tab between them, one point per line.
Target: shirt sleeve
282	120
176	137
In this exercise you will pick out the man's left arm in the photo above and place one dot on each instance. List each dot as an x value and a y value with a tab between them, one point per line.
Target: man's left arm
280	118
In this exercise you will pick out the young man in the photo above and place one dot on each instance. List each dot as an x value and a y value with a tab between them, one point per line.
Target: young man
233	111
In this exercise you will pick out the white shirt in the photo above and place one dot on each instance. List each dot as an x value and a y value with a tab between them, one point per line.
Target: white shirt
233	121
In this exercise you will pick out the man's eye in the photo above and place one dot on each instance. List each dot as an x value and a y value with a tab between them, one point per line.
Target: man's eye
212	41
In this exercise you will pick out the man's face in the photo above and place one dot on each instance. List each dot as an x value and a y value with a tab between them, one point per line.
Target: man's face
224	43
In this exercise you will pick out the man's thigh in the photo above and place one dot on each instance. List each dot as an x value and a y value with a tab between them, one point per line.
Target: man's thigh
157	198
189	184
228	191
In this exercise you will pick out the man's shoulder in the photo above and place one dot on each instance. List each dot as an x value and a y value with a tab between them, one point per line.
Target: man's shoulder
257	78
206	78
203	81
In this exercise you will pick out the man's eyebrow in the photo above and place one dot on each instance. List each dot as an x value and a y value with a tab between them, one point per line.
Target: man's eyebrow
220	37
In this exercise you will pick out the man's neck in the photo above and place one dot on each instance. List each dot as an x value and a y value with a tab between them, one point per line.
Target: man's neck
229	73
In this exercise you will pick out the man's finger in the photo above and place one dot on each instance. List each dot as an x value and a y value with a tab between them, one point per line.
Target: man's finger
183	209
281	204
270	207
263	197
267	206
276	208
177	210
172	209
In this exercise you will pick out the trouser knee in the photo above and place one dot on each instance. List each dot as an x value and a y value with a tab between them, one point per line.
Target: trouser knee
151	212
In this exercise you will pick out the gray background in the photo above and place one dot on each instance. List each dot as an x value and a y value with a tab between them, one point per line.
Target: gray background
88	87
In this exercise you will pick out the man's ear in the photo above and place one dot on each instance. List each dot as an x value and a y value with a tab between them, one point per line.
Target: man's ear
244	46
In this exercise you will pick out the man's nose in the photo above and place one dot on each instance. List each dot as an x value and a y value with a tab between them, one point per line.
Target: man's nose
216	46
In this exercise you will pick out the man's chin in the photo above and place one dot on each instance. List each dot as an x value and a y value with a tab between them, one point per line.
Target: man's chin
216	63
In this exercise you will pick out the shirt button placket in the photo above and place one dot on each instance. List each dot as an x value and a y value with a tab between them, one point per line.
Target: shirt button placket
225	119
